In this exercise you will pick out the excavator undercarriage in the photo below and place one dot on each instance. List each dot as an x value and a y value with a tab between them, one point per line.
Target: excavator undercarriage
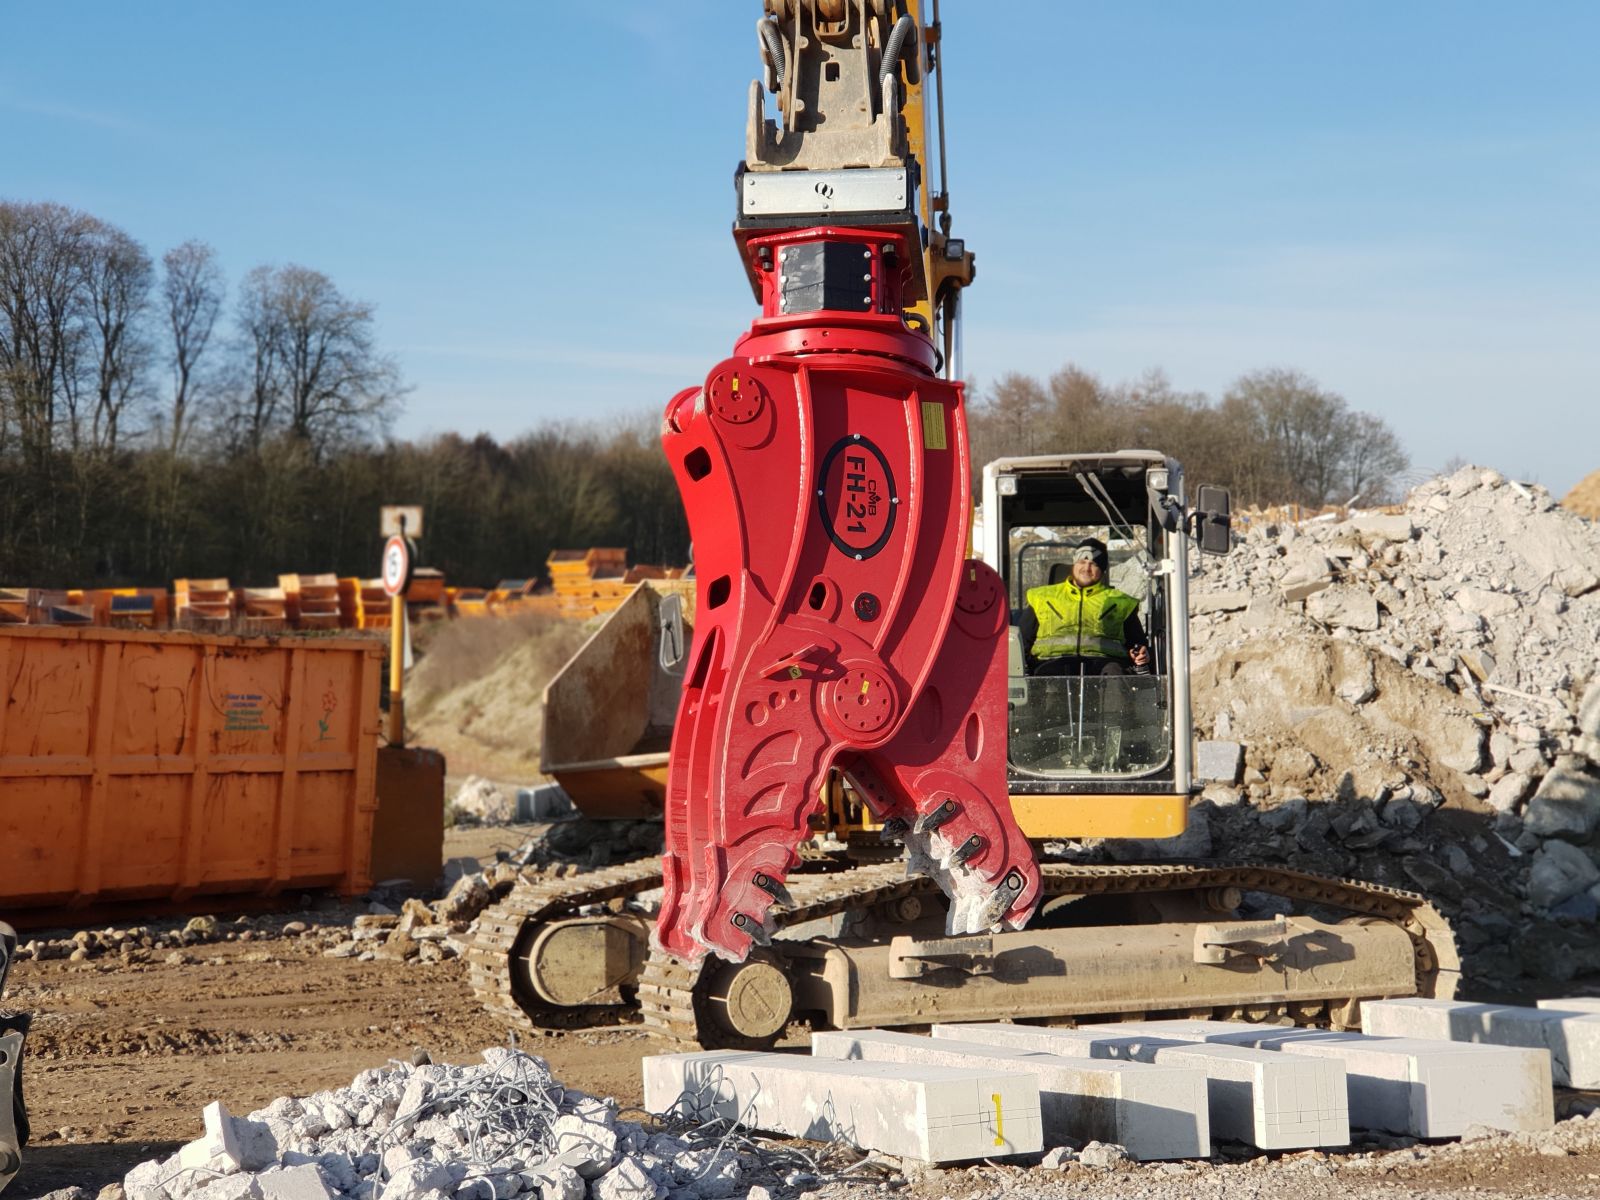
862	946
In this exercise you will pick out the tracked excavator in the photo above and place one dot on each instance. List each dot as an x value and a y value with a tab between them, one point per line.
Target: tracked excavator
869	801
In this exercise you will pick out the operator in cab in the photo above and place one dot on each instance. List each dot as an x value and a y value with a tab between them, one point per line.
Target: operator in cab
1082	625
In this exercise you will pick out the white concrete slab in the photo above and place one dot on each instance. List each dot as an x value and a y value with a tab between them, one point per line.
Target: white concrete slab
1427	1089
1572	1038
1256	1096
218	1150
915	1110
1583	1004
1152	1112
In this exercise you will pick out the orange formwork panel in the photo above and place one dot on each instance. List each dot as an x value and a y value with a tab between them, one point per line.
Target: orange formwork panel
157	766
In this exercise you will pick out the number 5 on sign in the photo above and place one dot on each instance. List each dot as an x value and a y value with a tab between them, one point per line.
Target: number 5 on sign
396	575
396	566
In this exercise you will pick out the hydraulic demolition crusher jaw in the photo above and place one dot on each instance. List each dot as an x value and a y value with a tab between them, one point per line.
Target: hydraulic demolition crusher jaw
825	472
13	1029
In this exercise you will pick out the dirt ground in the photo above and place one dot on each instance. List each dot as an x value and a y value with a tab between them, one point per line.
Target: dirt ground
123	1057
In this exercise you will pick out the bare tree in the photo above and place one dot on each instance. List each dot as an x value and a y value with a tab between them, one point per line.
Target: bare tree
313	369
42	256
192	288
1011	419
117	276
261	339
1311	449
1375	460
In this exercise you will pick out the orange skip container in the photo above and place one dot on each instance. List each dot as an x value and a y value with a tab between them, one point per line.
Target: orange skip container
141	765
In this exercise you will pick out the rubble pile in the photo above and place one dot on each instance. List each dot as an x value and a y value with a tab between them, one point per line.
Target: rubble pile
585	842
1416	695
494	1131
480	801
1584	499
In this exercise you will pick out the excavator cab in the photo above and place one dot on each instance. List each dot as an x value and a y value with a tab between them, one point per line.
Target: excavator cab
1099	742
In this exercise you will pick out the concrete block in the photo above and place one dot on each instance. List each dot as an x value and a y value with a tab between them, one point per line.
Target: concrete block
1218	762
1583	1004
1152	1112
294	1183
930	1113
1572	1038
1402	1085
1256	1097
547	802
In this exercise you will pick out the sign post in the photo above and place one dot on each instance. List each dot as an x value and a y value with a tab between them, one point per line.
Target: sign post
396	574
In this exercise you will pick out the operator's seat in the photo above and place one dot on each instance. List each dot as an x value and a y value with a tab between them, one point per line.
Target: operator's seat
1060	572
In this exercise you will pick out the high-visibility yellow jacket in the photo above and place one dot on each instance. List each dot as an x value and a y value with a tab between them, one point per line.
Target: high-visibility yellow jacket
1081	621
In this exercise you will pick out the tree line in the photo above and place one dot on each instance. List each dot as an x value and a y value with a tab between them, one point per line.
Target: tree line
1274	437
157	423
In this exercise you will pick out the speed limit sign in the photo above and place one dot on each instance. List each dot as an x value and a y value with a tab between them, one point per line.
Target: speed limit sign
396	565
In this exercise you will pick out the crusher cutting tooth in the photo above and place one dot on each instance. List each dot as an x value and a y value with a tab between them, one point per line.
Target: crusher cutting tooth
497	958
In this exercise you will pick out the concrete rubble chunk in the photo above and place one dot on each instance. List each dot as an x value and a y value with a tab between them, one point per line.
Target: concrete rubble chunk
1560	871
1218	762
1572	1038
1567	804
1102	1156
146	1181
484	801
562	1183
1218	602
628	1180
1395	527
1410	1086
1510	791
1484	603
231	1187
1153	1112
1257	1097
1344	607
1303	589
294	1183
588	1147
216	1151
928	1113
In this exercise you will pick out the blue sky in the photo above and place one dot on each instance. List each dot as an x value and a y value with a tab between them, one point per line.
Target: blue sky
1401	199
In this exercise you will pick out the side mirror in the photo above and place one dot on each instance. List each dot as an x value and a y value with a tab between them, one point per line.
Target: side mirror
1213	520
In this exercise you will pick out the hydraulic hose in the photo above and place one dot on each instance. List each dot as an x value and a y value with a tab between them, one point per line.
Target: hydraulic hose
905	29
767	27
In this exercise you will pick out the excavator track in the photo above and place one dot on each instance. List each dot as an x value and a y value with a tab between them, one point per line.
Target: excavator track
518	917
672	992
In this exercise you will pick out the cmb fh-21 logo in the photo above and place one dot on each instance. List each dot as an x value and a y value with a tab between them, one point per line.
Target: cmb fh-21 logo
857	499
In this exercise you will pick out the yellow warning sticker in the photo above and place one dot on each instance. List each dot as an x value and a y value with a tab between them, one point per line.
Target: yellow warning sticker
933	426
